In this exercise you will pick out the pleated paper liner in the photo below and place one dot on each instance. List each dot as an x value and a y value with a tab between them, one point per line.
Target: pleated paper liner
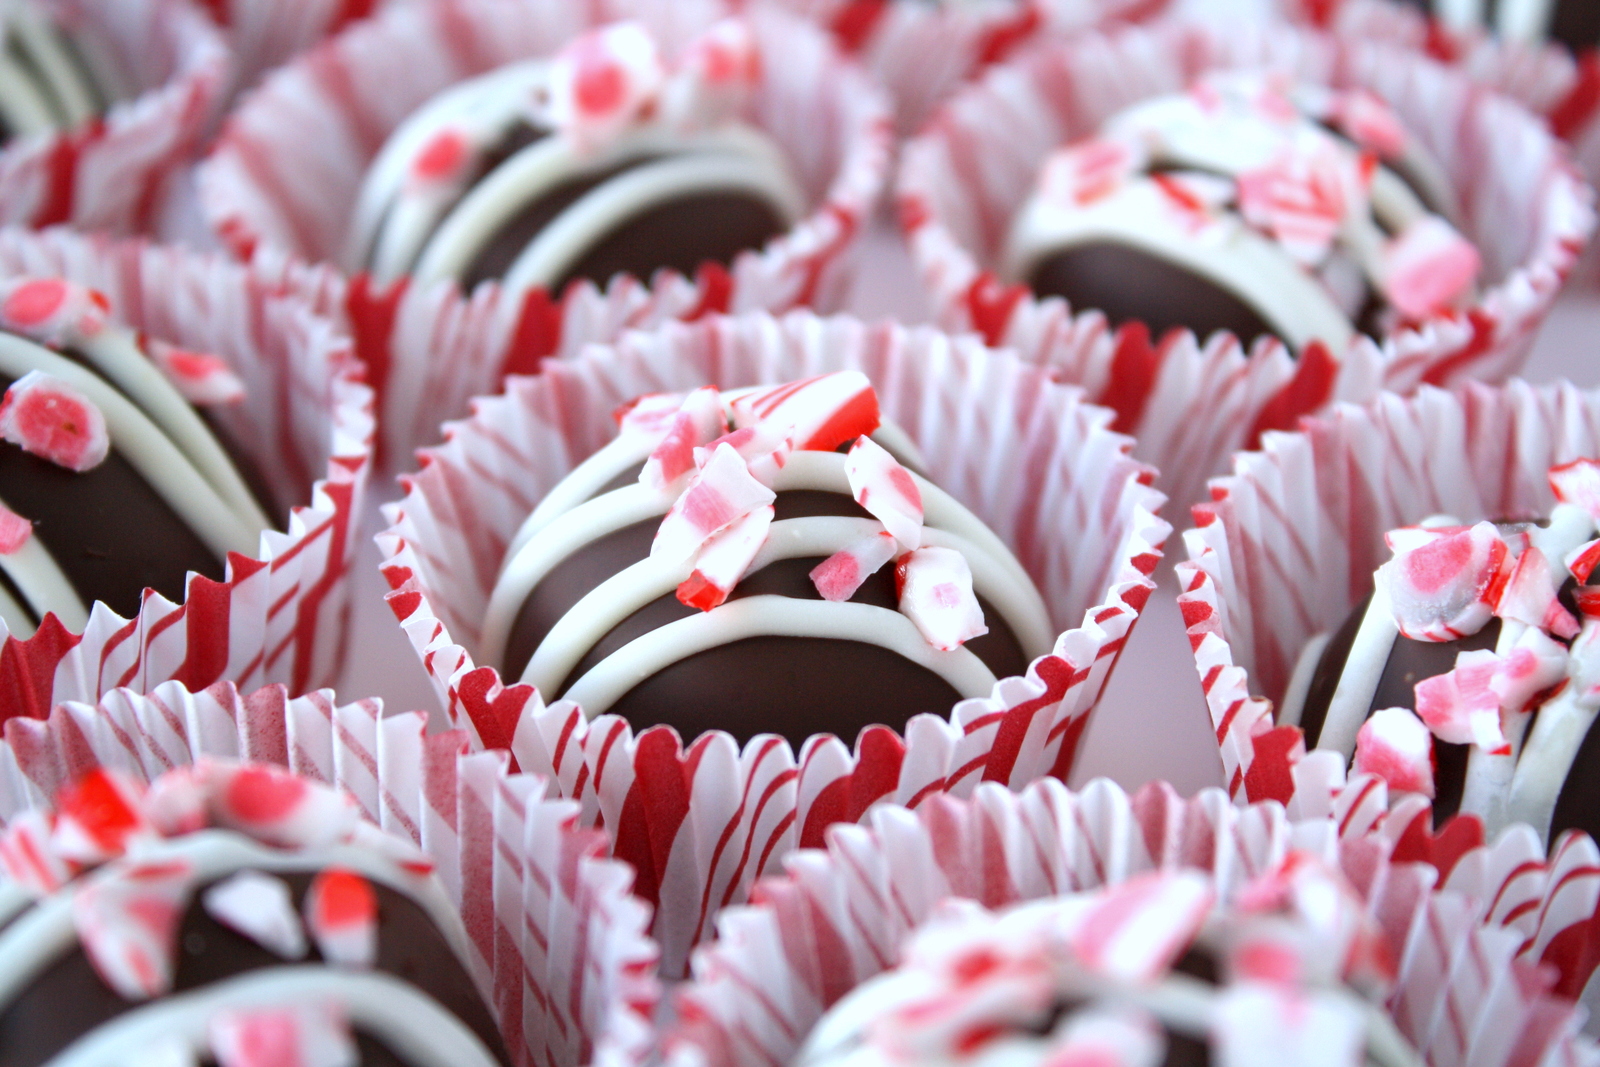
702	822
264	34
840	916
285	173
558	943
114	173
1190	403
307	420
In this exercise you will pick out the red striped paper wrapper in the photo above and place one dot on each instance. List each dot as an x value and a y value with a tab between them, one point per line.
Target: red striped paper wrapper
558	943
114	173
839	917
264	34
287	168
702	822
1289	542
1190	404
282	615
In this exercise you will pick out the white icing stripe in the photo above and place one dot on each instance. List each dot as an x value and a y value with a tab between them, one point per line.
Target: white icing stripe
1305	669
756	616
73	102
1525	20
1547	759
23	105
115	354
407	1021
1358	682
144	446
14	900
19	622
601	211
46	932
34	572
625	592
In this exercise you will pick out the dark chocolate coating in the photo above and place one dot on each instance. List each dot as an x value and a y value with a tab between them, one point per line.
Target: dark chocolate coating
802	686
1575	23
1578	804
1129	285
67	999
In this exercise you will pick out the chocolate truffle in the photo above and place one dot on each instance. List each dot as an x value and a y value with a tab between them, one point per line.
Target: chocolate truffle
1574	23
231	913
1062	980
1469	673
1250	206
45	82
110	481
760	561
605	159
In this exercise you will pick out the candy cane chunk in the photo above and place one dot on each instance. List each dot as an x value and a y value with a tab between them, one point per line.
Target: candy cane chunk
1248	205
50	419
203	941
609	157
1485	634
755	594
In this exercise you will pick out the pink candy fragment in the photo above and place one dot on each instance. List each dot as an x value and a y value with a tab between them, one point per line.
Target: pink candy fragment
839	576
98	816
723	560
936	595
1396	746
1442	584
442	158
14	531
342	915
602	82
1529	596
28	858
714	79
1370	123
1135	931
1299	198
277	807
127	923
1428	268
721	492
1581	560
763	447
1088	171
818	414
49	418
52	311
651	414
306	1035
1578	483
199	377
259	907
886	489
698	420
176	803
1460	707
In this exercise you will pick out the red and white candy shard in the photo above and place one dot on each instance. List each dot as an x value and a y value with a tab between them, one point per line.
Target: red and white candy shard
1088	171
14	531
1370	123
723	560
651	414
886	489
1194	199
714	78
1259	1024
602	82
52	311
1299	198
817	414
764	447
1578	483
1535	663
1135	931
128	921
99	817
1397	746
342	915
441	163
1529	596
1428	268
28	858
277	807
259	907
306	1035
1461	706
199	377
49	418
1581	560
839	576
697	421
177	802
936	595
721	492
1442	584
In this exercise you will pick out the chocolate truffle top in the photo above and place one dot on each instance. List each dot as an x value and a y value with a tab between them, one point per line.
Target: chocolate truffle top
1250	205
230	913
605	158
762	560
46	84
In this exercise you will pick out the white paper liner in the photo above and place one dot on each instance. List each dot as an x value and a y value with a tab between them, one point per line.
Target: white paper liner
307	419
264	34
288	165
840	916
1190	404
557	940
112	174
701	823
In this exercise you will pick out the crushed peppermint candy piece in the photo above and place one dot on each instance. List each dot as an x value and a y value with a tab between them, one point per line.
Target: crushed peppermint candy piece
839	576
818	414
1428	268
98	816
1299	198
1090	170
1135	931
1397	746
699	419
714	78
49	418
1370	123
1581	560
199	377
1535	663
1461	705
764	448
176	802
651	414
1578	483
14	531
602	82
721	492
53	311
723	560
442	160
276	807
886	489
936	594
1529	596
28	858
259	907
305	1035
342	915
1443	583
127	921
